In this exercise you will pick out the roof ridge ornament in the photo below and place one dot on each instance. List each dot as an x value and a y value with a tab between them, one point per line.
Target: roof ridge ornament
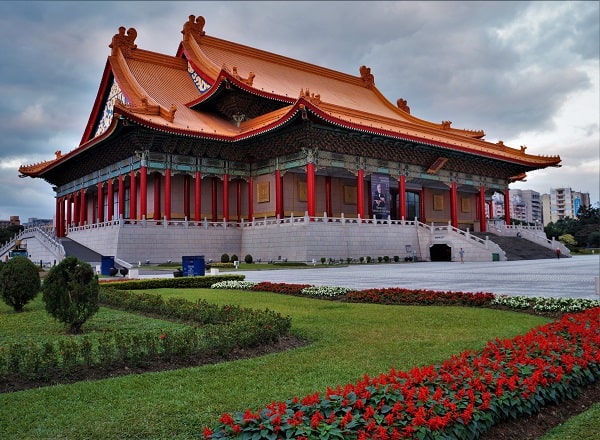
403	105
367	76
310	97
124	41
248	81
194	27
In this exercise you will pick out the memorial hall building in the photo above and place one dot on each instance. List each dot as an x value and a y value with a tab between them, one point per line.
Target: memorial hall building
225	148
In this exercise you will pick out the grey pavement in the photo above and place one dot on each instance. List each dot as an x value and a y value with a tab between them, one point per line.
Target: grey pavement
565	277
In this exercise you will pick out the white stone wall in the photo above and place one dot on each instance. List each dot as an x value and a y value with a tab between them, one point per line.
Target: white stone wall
305	241
159	244
291	239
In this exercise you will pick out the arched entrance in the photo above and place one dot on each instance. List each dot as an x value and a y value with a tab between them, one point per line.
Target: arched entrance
440	252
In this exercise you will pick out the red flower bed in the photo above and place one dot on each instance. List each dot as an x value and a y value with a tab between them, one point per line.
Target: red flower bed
397	295
461	398
285	288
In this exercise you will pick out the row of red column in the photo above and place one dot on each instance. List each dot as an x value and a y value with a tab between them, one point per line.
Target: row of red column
79	199
76	203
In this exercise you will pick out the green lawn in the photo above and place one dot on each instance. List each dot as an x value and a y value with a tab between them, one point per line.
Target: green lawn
347	341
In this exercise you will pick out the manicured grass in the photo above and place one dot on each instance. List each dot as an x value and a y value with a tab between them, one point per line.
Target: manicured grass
35	323
347	341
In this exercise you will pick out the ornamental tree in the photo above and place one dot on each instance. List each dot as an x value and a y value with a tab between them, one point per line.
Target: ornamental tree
19	282
70	292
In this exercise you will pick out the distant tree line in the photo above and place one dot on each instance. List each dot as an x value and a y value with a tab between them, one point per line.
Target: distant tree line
580	232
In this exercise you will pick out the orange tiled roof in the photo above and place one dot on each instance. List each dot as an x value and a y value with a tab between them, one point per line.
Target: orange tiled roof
161	93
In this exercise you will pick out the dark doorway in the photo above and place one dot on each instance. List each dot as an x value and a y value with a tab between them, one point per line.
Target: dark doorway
440	252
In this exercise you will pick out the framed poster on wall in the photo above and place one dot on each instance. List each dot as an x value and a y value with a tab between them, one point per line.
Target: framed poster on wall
262	192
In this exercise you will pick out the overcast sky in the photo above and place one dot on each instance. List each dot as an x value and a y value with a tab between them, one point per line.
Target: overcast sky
526	73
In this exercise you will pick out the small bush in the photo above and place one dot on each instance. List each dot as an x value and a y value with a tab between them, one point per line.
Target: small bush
234	257
323	260
19	282
225	258
248	259
70	292
386	259
396	258
369	259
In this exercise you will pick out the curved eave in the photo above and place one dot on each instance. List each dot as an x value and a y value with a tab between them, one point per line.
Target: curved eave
279	122
533	162
224	79
70	155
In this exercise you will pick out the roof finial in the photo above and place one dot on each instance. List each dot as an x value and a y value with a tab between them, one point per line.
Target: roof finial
403	105
367	76
123	41
194	27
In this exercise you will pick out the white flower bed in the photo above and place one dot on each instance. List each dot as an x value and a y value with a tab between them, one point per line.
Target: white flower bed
233	284
514	302
567	305
325	291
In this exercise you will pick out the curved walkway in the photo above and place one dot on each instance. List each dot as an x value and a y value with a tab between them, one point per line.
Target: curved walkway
567	277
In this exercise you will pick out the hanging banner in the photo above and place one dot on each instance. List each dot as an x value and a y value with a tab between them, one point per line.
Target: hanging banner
380	188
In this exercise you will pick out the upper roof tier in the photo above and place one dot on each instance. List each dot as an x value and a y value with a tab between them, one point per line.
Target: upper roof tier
172	94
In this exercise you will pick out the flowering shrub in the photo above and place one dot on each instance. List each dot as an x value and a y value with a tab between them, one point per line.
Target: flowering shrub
461	398
325	291
234	284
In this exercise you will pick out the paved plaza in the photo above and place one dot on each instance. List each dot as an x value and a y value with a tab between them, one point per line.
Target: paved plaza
567	277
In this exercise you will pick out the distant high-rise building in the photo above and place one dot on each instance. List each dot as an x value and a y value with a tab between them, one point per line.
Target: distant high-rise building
525	205
563	203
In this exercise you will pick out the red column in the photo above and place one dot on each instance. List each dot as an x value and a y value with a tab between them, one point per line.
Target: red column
360	194
168	193
69	208
186	196
110	202
121	196
482	219
214	199
310	188
62	215
157	179
238	199
250	199
100	207
143	192
197	196
57	219
328	195
82	208
453	206
226	197
76	209
507	206
278	191
402	197
423	217
132	196
491	209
